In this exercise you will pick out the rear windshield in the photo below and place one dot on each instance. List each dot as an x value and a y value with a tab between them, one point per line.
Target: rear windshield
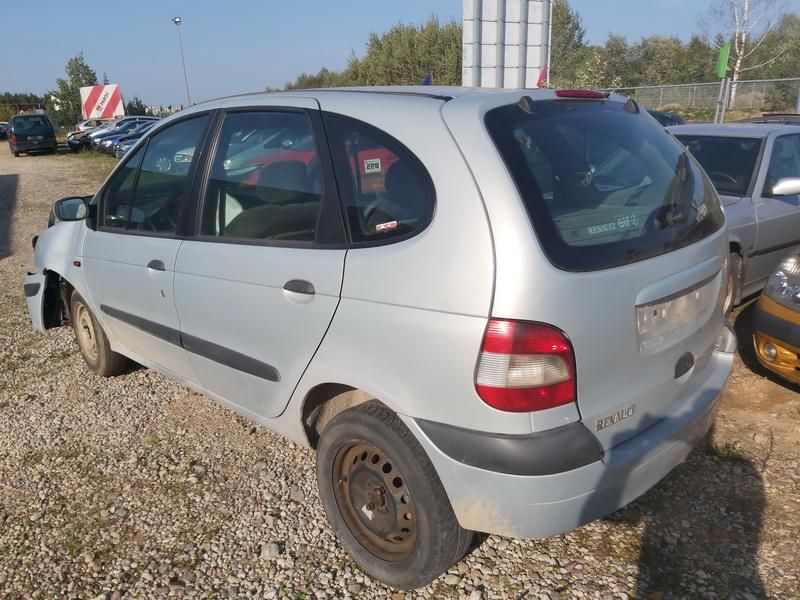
603	185
730	162
32	122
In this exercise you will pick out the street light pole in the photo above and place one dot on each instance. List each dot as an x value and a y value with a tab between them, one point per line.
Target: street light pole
177	21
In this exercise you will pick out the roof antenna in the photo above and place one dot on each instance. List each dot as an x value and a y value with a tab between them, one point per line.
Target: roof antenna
526	104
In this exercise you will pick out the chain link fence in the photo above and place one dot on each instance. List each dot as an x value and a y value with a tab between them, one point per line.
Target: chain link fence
778	95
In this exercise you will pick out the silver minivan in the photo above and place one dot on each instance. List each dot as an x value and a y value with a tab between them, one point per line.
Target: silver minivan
487	310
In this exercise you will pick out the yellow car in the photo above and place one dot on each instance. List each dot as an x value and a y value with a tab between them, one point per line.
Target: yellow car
777	321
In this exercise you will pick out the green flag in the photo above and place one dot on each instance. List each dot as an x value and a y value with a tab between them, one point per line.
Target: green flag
722	61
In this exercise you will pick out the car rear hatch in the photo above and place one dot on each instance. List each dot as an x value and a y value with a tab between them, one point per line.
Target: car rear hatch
626	259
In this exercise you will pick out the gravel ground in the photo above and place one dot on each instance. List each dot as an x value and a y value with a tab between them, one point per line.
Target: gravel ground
134	487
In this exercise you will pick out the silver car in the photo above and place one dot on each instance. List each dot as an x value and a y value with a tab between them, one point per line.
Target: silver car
494	311
756	171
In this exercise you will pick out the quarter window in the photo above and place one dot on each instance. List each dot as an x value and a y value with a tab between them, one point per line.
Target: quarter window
266	179
386	191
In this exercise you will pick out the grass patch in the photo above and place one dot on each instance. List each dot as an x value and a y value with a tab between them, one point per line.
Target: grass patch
728	451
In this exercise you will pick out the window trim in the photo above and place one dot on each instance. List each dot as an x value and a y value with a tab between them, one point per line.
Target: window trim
330	206
180	232
341	165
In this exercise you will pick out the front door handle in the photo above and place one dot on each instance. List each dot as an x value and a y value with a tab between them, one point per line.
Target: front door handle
156	265
299	286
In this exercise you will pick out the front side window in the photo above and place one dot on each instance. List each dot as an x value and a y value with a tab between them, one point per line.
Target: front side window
604	186
117	198
164	175
266	179
784	162
386	191
730	162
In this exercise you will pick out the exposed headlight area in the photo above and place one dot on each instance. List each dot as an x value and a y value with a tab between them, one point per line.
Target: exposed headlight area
784	285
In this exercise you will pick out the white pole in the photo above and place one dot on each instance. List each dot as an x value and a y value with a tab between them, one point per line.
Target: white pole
549	41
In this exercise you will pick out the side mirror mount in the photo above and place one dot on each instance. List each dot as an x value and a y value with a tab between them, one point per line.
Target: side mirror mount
788	186
71	208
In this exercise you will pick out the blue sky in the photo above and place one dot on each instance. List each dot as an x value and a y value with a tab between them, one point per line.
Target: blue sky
235	46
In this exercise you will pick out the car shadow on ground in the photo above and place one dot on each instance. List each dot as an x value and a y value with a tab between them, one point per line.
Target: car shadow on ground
702	526
8	203
743	326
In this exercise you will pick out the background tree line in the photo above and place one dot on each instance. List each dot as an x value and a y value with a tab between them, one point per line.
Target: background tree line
405	54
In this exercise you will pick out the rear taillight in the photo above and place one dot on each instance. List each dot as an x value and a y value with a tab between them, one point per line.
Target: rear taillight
525	367
13	138
581	94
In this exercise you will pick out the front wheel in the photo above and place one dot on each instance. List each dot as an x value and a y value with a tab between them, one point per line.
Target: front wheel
93	342
384	499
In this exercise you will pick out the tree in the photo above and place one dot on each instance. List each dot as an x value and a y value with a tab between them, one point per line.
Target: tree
568	51
404	55
135	107
747	24
65	102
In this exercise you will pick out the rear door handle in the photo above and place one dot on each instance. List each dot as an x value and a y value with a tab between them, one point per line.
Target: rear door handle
299	286
156	265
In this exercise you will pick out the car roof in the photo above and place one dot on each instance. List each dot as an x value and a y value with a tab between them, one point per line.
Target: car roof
753	130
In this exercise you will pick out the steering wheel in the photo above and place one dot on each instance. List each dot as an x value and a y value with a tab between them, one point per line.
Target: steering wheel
720	176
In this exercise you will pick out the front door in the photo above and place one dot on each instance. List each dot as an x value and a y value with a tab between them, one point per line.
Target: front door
258	286
129	261
777	217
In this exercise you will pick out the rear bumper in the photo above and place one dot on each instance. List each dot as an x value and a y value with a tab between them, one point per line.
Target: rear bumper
779	327
27	146
541	506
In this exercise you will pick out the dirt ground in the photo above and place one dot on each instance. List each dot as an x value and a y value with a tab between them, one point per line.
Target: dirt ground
724	524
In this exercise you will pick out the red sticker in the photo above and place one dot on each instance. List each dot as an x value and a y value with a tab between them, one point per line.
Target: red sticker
386	226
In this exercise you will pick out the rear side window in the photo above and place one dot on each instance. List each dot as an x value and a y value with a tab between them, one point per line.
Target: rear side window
603	186
266	179
730	162
387	193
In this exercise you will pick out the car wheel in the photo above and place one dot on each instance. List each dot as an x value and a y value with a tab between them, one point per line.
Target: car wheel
734	282
93	342
384	499
16	153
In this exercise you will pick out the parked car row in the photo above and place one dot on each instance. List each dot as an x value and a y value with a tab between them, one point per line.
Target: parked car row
498	311
85	137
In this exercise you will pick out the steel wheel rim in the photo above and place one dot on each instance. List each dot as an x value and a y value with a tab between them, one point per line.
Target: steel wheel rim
375	501
85	332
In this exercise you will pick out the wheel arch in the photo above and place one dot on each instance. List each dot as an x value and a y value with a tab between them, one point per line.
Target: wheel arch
326	400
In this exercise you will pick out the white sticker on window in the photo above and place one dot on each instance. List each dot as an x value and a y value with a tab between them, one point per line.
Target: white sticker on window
372	165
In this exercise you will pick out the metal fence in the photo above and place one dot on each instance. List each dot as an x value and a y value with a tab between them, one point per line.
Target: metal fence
761	94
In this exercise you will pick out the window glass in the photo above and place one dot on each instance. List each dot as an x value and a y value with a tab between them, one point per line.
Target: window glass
603	186
116	204
386	191
165	169
266	181
785	160
729	161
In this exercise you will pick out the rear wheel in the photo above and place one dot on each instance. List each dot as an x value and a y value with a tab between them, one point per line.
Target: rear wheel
384	499
93	342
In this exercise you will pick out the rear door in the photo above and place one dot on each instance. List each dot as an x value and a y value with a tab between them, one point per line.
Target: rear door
777	217
129	260
257	286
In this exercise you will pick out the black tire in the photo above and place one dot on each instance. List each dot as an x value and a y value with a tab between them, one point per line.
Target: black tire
16	153
734	283
92	340
433	540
